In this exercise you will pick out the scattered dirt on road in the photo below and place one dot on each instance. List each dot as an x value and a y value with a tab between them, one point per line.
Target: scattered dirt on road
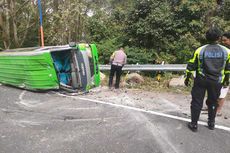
174	102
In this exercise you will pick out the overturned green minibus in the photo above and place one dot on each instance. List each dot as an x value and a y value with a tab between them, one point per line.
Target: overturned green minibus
71	67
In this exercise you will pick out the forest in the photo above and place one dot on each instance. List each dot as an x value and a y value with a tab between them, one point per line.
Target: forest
151	31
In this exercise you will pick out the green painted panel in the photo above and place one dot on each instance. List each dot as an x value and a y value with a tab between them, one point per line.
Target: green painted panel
97	79
28	71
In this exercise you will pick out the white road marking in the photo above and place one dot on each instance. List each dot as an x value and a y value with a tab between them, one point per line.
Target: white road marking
26	103
146	111
21	101
21	95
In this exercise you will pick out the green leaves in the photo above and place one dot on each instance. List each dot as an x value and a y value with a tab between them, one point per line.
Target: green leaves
150	30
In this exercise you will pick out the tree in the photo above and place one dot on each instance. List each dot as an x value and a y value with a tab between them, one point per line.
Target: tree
15	21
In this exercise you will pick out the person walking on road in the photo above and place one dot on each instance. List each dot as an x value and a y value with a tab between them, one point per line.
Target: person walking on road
224	90
118	59
211	63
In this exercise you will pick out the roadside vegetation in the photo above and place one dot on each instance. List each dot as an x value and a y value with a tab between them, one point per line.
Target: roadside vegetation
152	83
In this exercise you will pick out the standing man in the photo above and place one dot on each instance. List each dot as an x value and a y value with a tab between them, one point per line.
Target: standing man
224	90
118	59
211	63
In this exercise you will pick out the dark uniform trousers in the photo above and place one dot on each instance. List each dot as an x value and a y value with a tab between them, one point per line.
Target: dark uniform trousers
201	85
118	70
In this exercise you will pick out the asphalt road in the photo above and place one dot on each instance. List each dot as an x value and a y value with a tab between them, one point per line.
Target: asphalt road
46	122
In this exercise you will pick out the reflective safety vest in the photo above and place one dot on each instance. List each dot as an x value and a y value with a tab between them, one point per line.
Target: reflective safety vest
210	61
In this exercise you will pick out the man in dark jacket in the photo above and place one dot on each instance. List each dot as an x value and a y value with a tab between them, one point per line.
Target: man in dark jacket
211	63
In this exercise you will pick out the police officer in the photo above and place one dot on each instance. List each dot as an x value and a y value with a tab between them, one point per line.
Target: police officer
211	63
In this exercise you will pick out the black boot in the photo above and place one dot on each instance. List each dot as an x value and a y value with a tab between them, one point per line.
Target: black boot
211	117
195	114
193	126
211	125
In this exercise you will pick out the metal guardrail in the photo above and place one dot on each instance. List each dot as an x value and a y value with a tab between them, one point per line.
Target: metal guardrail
149	67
